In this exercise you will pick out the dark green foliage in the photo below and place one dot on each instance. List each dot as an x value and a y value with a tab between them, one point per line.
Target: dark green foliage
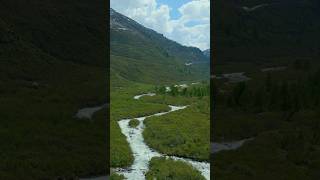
120	152
124	106
115	176
282	29
134	123
46	75
279	109
285	154
140	57
238	91
182	133
168	169
200	90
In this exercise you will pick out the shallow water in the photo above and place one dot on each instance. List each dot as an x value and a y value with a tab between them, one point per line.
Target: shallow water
203	167
143	154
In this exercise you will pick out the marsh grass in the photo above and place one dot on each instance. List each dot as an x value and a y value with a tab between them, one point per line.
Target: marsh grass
162	168
183	133
134	123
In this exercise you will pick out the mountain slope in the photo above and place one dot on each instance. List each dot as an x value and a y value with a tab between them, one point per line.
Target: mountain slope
252	29
143	55
51	66
69	30
207	53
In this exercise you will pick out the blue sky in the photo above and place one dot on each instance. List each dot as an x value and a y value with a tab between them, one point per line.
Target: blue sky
184	21
174	4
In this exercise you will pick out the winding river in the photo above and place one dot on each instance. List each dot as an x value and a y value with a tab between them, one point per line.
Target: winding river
143	153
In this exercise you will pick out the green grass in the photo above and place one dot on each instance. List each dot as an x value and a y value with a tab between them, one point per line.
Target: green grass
183	133
169	100
139	62
141	55
121	155
134	123
168	169
49	73
124	106
195	119
115	176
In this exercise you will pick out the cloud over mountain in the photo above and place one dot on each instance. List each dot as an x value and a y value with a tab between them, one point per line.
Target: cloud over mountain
192	28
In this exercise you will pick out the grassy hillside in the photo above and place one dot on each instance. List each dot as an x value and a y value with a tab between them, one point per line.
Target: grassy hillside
142	55
44	81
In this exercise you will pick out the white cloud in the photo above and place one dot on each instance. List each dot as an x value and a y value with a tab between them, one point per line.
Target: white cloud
149	14
195	10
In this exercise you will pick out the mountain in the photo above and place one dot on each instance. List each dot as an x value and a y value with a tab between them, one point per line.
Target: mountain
143	55
248	30
207	53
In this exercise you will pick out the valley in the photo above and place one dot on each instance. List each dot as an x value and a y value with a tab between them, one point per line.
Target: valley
159	101
132	148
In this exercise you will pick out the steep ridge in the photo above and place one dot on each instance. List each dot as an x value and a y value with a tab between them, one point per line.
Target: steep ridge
207	53
153	58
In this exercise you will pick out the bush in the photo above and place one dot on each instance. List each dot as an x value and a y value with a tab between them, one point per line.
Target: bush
134	123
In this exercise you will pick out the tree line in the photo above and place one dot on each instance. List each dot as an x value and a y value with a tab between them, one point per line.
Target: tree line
275	95
194	91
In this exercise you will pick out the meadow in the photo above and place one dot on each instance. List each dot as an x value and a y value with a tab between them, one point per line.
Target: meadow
195	119
168	169
184	133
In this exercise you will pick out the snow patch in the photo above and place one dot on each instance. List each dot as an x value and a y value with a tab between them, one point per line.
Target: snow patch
141	95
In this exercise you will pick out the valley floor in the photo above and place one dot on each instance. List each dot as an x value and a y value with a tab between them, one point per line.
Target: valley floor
134	150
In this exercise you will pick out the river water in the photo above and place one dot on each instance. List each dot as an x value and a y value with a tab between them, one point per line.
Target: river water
143	153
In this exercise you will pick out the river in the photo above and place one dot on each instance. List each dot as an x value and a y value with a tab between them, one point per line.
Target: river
143	153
